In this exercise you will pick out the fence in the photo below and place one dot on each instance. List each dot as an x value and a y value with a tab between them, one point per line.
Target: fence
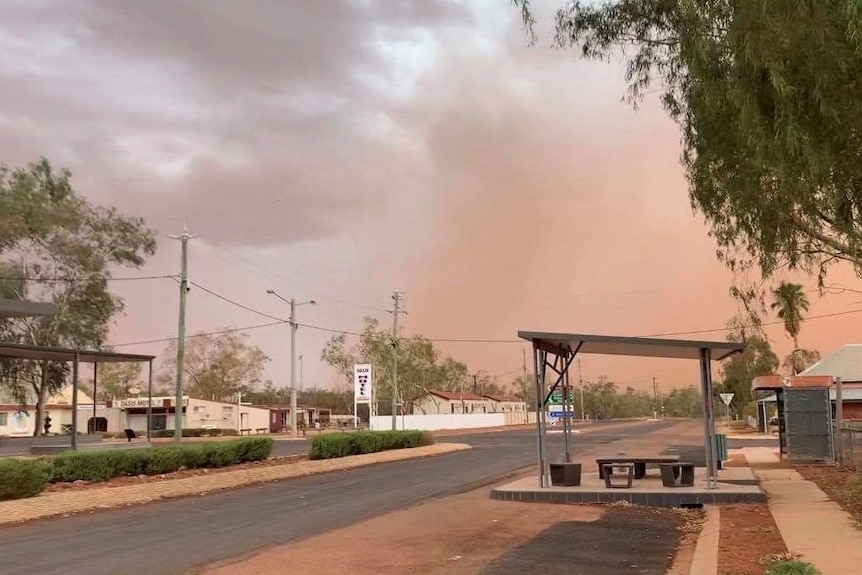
848	447
435	422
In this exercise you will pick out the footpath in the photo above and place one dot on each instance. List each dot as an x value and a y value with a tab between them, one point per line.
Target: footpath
811	524
814	527
84	500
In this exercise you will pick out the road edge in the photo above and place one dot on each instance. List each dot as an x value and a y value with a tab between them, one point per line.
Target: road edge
90	500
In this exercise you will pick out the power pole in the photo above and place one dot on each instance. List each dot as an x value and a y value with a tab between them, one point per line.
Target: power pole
300	372
396	296
655	401
181	331
293	406
581	385
475	384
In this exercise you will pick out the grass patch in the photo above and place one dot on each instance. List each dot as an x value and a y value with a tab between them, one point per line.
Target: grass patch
333	445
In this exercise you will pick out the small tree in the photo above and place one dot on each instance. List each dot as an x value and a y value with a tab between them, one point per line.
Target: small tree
218	367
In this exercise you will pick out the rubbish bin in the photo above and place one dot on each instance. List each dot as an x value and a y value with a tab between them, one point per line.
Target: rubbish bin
565	474
720	449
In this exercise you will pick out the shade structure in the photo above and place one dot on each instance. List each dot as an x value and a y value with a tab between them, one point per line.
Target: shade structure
15	308
632	346
75	357
41	353
556	351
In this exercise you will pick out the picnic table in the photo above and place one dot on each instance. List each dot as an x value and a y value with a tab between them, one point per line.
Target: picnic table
639	463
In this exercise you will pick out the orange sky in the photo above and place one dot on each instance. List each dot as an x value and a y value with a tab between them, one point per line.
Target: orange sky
425	148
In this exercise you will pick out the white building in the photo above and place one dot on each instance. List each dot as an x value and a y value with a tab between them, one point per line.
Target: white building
504	404
196	414
17	420
441	402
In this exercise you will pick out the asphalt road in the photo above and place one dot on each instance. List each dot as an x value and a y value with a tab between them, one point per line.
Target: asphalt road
179	535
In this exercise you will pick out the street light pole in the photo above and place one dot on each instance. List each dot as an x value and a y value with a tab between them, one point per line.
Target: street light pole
293	328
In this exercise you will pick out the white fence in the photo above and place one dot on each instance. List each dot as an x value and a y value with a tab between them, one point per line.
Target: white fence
453	421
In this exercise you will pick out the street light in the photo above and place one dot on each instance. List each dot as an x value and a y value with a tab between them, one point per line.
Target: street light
293	326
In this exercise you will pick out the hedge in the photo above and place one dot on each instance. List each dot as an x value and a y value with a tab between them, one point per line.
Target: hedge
22	478
332	445
28	477
103	465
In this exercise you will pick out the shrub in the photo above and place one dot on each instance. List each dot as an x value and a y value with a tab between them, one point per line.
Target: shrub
97	466
791	567
103	465
332	445
21	478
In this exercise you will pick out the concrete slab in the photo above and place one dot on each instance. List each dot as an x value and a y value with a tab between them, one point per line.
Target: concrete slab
811	524
647	491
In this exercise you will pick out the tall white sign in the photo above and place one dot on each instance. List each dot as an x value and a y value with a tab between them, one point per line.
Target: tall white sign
362	389
726	398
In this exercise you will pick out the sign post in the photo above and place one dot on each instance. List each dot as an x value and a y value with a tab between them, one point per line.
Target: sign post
726	398
362	390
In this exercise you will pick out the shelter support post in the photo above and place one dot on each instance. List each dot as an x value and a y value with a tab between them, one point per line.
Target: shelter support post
708	418
837	439
76	363
540	440
150	403
95	392
566	420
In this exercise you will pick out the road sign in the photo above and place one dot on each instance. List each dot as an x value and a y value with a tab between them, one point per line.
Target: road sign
561	414
557	398
726	398
362	383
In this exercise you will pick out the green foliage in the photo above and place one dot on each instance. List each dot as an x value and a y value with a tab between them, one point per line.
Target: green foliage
683	402
218	367
21	478
195	432
114	380
57	247
332	445
420	366
767	98
791	567
97	466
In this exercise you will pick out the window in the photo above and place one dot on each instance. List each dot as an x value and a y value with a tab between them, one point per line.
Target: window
4	419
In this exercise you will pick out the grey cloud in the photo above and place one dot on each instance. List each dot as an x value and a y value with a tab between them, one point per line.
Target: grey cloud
263	105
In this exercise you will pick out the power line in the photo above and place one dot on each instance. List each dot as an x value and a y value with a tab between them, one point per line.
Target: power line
433	340
202	334
81	279
236	303
272	274
779	322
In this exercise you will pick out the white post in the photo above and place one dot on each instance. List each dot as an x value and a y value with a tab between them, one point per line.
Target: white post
238	413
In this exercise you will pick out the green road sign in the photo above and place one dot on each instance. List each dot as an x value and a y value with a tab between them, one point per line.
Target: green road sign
557	398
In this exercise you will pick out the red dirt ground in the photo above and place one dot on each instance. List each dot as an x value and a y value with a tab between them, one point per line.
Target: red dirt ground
747	535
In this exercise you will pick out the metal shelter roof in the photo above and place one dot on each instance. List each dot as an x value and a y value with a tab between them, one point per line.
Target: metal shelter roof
14	308
39	353
772	382
634	346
